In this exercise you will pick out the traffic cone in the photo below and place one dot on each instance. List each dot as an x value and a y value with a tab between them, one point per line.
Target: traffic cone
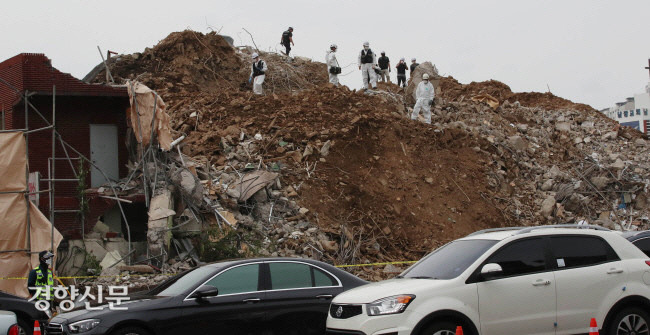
37	328
593	327
459	330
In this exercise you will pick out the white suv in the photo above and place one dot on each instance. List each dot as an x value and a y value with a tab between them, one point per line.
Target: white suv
537	280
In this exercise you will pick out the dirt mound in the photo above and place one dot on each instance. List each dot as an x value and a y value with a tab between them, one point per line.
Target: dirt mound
188	62
390	184
453	90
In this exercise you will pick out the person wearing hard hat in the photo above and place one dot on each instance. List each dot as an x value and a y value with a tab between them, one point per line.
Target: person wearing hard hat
401	72
333	67
287	39
424	95
384	66
258	73
41	276
413	66
367	61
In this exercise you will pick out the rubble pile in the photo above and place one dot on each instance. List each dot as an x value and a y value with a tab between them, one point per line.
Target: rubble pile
312	170
558	166
452	90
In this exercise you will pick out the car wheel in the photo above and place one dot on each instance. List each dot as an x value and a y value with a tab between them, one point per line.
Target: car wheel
24	327
630	321
440	328
130	331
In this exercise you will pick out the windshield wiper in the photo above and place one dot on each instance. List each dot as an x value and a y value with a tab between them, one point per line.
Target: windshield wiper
422	277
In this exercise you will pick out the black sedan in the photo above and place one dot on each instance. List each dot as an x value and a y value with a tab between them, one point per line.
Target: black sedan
639	238
255	296
25	311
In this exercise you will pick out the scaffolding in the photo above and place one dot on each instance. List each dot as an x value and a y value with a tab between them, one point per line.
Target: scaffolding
51	167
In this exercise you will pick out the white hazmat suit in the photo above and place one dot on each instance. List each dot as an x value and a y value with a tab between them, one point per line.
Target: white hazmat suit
368	69
424	95
259	79
330	60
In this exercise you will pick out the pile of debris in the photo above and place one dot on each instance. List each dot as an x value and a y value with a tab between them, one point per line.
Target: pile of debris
344	176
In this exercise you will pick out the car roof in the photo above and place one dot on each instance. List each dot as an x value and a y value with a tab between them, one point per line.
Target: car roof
229	262
500	234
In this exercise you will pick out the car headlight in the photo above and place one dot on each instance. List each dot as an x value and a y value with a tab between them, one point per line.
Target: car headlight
390	305
83	326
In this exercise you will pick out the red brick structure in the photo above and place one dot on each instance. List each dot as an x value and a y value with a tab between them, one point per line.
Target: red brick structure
78	105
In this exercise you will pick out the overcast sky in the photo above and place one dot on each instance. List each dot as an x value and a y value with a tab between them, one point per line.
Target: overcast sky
589	51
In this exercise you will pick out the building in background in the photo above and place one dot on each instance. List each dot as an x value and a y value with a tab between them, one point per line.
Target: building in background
633	112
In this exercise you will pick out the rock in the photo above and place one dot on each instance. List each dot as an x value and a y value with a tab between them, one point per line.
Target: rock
187	181
325	149
390	268
563	126
547	185
308	151
386	230
587	124
600	182
554	172
547	206
261	196
303	210
610	135
618	164
429	180
330	246
607	223
517	143
640	142
233	193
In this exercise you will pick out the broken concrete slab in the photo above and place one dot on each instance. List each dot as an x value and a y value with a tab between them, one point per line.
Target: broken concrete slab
112	258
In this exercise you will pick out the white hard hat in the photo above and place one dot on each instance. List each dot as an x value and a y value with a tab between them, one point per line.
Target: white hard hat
425	76
333	46
401	59
383	52
412	59
255	55
366	44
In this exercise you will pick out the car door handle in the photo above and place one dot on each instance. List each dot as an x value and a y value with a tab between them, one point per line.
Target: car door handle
614	270
324	296
541	282
252	300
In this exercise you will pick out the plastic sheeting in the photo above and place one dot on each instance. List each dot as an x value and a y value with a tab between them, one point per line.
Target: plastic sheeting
13	219
13	162
150	113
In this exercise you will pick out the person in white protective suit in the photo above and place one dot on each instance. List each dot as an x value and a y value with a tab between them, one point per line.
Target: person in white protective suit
424	95
367	61
333	68
258	74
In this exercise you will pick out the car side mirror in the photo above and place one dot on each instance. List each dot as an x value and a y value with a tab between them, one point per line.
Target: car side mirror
491	270
205	291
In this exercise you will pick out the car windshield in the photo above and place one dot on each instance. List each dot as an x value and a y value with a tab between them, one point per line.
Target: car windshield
183	281
449	261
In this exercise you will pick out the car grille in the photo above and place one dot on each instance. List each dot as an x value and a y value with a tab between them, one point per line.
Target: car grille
54	329
344	311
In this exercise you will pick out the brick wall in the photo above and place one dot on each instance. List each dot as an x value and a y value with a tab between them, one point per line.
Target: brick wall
74	114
